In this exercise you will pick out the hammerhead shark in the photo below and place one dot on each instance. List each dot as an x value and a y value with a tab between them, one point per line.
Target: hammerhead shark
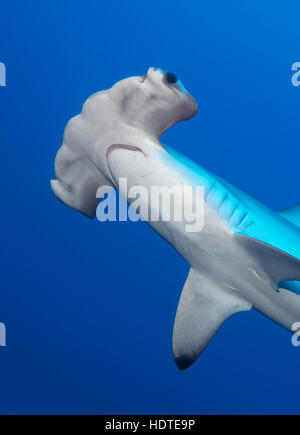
245	256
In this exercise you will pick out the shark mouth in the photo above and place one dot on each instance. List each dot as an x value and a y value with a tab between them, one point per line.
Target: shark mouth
124	147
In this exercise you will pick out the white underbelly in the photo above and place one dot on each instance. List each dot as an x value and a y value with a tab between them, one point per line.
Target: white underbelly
213	251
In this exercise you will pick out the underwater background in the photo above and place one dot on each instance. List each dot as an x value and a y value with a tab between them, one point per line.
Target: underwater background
89	306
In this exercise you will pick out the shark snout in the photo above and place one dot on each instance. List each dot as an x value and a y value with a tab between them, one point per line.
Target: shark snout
170	94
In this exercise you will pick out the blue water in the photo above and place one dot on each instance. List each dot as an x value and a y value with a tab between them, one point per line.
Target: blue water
89	307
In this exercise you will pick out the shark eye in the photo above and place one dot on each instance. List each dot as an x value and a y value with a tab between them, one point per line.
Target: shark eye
171	78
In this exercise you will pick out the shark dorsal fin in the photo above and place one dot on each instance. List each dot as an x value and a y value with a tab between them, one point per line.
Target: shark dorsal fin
202	309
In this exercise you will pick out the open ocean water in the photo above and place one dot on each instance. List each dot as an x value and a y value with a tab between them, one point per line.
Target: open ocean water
89	306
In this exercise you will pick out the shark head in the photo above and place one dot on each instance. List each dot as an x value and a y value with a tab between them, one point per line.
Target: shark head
135	111
153	102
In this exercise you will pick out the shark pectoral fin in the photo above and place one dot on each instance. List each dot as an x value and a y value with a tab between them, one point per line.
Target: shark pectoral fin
202	309
278	265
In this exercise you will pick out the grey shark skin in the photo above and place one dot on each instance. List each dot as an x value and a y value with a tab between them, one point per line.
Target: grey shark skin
246	255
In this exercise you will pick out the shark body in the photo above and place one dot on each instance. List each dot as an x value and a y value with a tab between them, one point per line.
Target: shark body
246	254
